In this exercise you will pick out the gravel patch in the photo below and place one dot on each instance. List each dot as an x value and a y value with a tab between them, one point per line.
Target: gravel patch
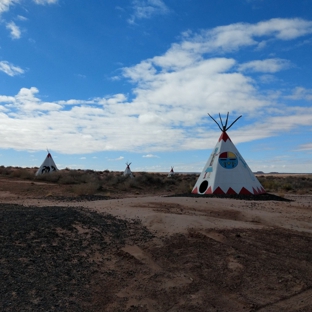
47	254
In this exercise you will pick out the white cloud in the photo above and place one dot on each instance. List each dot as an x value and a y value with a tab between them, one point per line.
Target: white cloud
267	78
26	101
232	37
171	97
5	5
43	2
10	69
144	9
205	85
150	156
300	93
22	18
116	159
305	147
86	129
284	29
265	66
15	31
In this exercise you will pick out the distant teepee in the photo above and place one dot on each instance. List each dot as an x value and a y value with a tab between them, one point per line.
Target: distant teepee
171	173
47	166
226	172
127	171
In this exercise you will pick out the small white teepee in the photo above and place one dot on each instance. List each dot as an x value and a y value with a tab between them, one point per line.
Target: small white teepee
171	173
47	166
127	171
226	172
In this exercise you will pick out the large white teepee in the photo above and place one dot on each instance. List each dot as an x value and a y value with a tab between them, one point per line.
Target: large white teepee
171	173
47	166
127	171
226	171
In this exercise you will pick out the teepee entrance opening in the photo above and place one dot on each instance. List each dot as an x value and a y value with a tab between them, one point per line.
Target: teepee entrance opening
226	171
203	186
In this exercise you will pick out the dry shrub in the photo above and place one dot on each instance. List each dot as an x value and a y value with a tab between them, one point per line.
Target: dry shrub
107	177
27	174
17	172
133	183
77	177
86	188
281	194
303	191
68	179
270	183
185	183
52	177
6	171
115	180
287	187
294	184
145	178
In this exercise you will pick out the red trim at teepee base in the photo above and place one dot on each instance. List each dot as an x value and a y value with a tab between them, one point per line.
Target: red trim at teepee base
255	191
231	192
261	190
218	191
195	191
224	137
244	191
209	191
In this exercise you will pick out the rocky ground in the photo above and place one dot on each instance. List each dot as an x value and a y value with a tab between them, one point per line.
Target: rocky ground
152	253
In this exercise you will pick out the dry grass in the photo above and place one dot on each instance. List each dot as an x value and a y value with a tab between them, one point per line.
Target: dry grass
89	182
298	184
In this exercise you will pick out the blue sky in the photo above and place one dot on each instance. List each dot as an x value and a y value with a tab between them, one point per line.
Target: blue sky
102	83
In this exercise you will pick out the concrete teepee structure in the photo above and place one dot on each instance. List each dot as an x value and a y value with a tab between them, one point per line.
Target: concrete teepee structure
226	171
47	166
127	171
171	173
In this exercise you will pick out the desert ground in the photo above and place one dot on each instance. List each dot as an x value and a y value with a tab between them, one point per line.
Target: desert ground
146	245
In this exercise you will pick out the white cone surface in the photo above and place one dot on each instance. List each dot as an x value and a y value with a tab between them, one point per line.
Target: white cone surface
171	173
128	172
47	166
226	172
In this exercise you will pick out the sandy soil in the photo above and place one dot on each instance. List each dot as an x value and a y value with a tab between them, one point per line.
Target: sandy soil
201	254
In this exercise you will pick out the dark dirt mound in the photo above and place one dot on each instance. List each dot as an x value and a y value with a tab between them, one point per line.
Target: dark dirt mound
265	196
46	255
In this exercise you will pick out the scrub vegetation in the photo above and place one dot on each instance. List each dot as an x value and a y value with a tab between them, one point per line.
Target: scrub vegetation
297	184
110	183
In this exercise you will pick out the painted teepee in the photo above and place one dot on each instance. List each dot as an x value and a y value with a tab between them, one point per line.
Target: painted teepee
127	171
47	166
226	171
171	173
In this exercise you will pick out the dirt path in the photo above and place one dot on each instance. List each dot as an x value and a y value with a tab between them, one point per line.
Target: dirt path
169	215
